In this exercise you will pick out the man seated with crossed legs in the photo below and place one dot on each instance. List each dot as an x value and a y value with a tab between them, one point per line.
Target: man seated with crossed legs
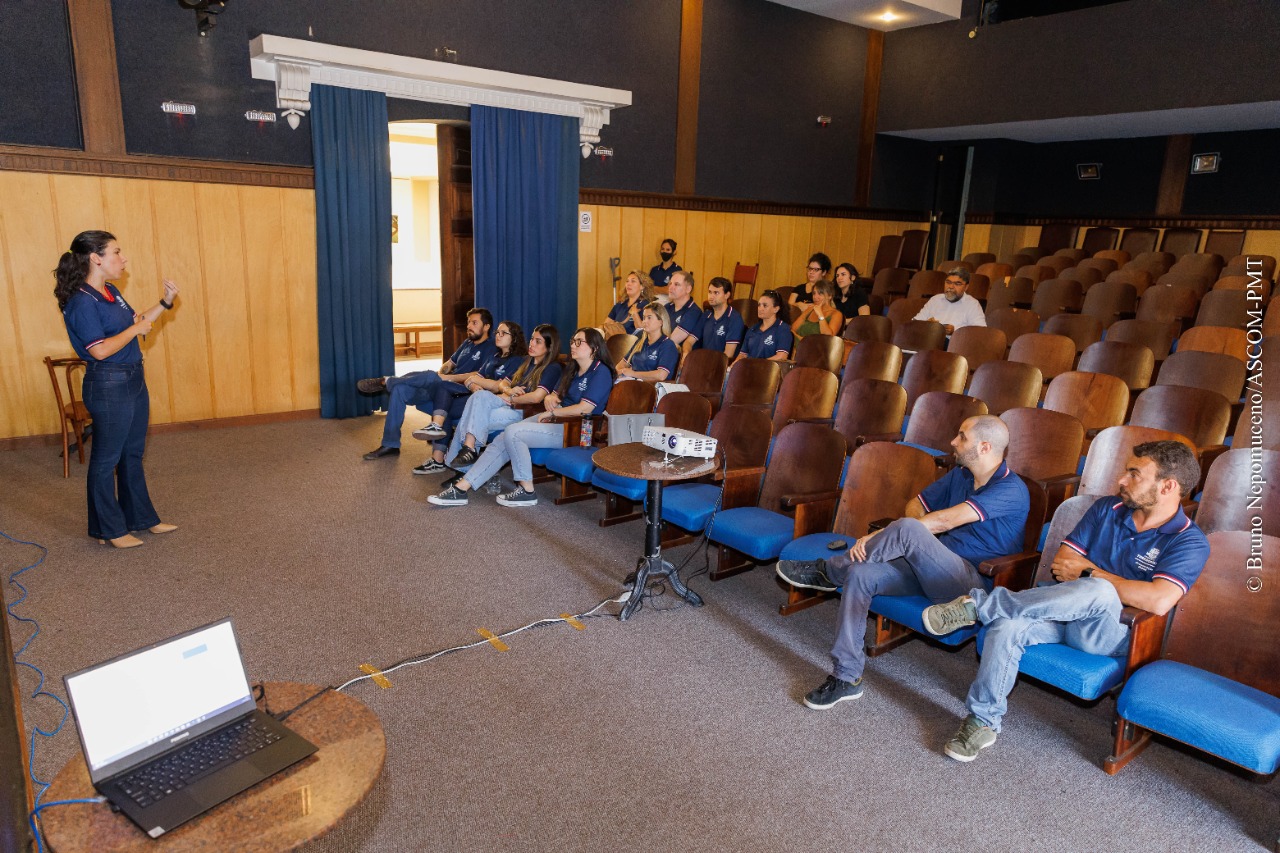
976	512
1140	550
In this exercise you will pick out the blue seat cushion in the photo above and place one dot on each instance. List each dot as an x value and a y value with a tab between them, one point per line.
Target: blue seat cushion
690	505
759	533
908	610
538	455
627	487
928	450
1079	673
572	462
1207	711
814	547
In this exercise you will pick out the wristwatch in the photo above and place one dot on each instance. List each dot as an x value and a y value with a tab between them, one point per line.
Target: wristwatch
1084	573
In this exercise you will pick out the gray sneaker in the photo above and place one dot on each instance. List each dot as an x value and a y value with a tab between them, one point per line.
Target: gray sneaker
518	496
972	738
431	466
833	690
430	432
942	619
449	496
808	574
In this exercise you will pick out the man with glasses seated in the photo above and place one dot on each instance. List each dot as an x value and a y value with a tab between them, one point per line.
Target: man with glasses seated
954	308
419	388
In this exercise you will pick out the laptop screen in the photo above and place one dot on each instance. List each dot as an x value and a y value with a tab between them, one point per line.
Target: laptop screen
150	697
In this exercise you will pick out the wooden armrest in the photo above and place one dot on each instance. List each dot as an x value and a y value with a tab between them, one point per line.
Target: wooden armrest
1208	455
880	524
815	511
1013	571
741	487
793	501
1146	637
1091	434
877	436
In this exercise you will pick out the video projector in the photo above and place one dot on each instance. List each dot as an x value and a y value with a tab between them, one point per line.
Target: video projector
679	442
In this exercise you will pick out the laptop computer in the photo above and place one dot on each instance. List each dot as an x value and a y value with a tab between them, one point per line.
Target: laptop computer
171	730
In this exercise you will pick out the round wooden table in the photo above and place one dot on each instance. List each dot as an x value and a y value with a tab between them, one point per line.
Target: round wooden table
296	805
644	463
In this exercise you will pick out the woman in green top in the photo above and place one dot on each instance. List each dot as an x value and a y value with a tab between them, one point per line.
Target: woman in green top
821	317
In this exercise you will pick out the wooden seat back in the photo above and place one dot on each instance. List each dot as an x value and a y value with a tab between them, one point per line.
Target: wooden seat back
1135	241
806	458
807	392
73	415
1201	415
1014	322
934	370
620	346
1057	295
1053	354
869	409
685	410
881	480
1212	370
861	328
874	360
1043	443
1240	485
1110	452
903	311
926	283
1110	301
936	418
890	281
1180	241
1226	308
1134	363
703	371
822	351
919	335
1218	339
1155	336
743	435
978	345
1005	385
753	382
1098	400
1083	329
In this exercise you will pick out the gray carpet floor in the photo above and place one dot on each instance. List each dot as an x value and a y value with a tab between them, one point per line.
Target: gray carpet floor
680	729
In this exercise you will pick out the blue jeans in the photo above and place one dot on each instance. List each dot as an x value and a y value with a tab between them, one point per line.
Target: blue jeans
484	413
412	389
513	446
1084	614
902	559
116	396
445	396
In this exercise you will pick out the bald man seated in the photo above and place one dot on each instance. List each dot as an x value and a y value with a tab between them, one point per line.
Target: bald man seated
976	512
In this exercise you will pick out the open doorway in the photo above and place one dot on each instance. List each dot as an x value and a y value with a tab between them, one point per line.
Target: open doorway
415	246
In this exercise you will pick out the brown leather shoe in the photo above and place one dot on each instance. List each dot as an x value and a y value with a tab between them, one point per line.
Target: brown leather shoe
164	528
126	541
381	452
376	385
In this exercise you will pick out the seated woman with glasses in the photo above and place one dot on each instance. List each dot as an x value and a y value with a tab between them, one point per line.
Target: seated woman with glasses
451	395
583	390
770	338
820	316
495	403
816	271
624	317
655	357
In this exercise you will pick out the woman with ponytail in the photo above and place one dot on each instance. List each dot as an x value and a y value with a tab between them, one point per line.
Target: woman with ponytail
104	331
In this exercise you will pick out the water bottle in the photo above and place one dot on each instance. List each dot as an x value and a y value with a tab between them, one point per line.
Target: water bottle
584	434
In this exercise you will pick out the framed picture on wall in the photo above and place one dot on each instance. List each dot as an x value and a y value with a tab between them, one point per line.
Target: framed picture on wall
1203	164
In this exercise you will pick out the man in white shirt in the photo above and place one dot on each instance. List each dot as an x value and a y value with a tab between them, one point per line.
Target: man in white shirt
954	307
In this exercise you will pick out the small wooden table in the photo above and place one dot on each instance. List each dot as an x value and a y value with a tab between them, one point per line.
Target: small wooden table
644	463
296	805
413	337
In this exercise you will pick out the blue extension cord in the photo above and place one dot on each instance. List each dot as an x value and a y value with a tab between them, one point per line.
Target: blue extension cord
38	692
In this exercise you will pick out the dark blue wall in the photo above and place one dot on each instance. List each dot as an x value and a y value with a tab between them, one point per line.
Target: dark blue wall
37	80
1247	180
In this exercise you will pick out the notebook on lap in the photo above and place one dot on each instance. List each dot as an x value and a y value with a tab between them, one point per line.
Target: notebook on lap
171	730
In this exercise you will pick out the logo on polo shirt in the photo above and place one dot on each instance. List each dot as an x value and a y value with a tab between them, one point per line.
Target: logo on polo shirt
582	384
476	355
1147	562
720	330
768	341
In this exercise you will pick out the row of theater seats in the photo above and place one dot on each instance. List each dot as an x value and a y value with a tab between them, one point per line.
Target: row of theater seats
813	454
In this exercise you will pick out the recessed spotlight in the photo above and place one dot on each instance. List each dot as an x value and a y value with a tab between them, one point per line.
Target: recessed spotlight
888	17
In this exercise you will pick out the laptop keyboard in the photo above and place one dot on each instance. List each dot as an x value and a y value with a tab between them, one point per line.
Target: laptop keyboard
175	771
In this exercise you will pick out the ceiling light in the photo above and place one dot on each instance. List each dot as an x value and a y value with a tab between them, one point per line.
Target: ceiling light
888	17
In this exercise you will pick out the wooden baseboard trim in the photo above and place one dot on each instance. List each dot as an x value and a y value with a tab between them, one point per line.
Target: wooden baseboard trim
55	439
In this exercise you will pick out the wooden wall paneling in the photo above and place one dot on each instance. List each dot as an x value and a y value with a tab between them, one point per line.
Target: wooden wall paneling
299	241
977	238
655	223
749	251
227	309
768	259
178	253
713	255
631	247
261	227
592	286
127	214
801	249
695	255
16	419
781	272
1261	243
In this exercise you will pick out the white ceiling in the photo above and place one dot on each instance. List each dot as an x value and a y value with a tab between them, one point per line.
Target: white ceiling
871	13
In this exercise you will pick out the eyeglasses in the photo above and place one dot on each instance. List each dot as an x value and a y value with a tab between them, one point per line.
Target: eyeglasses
504	332
578	342
815	269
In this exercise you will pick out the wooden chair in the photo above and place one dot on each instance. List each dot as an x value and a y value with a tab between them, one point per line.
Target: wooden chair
1200	282
1110	301
874	360
1225	243
1248	264
881	479
1202	416
1155	336
745	274
1219	339
1180	241
1053	354
977	259
891	282
1119	256
1072	254
995	273
926	283
1164	303
1239	485
620	346
1217	686
1226	308
1083	329
1104	266
1035	273
702	372
1005	385
904	311
1014	322
1057	236
1109	453
920	335
1140	279
888	250
1267	430
1135	241
821	351
1086	277
1099	239
73	416
978	345
623	496
935	419
1212	370
1052	268
796	496
752	382
748	309
1057	295
1098	400
915	244
979	287
870	410
572	462
952	263
1134	363
1206	265
1017	292
807	393
1044	447
862	328
934	370
1157	263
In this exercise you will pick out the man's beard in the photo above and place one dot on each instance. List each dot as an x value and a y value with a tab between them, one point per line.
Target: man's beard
953	296
475	336
966	458
1144	501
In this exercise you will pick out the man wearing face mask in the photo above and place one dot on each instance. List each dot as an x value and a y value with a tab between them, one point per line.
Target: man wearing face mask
661	274
954	308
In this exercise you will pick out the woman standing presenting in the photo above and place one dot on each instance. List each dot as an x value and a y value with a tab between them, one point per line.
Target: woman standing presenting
104	331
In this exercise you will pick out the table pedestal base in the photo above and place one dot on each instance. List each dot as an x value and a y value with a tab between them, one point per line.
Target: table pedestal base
651	565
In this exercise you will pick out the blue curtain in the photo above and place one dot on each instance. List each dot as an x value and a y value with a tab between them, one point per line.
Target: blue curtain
524	186
353	244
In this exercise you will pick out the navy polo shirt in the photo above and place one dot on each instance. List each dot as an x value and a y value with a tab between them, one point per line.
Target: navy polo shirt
717	334
766	343
688	318
662	354
472	357
591	387
1002	505
91	318
550	377
619	314
501	368
1176	550
662	277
